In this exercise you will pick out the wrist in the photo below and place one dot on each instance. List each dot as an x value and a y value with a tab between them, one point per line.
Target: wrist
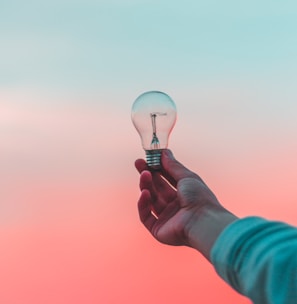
206	225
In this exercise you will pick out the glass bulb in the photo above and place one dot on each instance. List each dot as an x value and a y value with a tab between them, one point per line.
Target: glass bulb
154	115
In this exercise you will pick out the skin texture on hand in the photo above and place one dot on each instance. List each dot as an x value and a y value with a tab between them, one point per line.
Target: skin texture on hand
178	208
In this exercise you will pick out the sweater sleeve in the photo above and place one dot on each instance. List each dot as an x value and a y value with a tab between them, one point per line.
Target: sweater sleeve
258	258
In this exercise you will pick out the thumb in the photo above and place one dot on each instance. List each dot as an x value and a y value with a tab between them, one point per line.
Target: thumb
173	170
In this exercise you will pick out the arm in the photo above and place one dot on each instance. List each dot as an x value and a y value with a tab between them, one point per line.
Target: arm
256	257
260	260
180	210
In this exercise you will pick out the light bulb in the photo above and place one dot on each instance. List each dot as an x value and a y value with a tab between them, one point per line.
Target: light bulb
154	115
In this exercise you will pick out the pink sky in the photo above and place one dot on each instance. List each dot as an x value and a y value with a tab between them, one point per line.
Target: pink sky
69	227
69	73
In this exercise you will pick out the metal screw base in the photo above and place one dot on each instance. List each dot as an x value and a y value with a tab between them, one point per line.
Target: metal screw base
153	158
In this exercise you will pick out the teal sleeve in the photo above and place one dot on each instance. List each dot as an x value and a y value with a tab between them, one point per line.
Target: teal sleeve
258	258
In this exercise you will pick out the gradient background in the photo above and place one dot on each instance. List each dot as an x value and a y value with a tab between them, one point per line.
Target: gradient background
69	73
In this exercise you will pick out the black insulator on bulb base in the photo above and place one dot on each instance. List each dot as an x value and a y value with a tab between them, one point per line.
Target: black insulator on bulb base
153	159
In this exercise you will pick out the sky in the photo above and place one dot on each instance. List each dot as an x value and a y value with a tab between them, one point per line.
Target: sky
69	74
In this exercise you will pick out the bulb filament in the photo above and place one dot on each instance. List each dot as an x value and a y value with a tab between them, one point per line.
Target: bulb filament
155	144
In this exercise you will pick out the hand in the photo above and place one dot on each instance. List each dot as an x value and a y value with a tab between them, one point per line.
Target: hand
174	202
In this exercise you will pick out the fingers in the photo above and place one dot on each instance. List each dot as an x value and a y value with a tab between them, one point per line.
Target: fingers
145	212
141	165
160	185
160	192
146	181
173	170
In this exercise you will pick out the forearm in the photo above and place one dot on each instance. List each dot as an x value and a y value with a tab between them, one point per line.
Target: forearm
206	225
259	260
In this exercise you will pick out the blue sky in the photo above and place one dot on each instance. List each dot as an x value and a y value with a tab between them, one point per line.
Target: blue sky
70	71
107	45
226	61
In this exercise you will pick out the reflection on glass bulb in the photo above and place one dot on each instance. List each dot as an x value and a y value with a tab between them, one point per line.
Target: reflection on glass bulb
154	116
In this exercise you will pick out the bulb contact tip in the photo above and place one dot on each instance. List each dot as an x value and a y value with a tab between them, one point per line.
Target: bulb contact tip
153	158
